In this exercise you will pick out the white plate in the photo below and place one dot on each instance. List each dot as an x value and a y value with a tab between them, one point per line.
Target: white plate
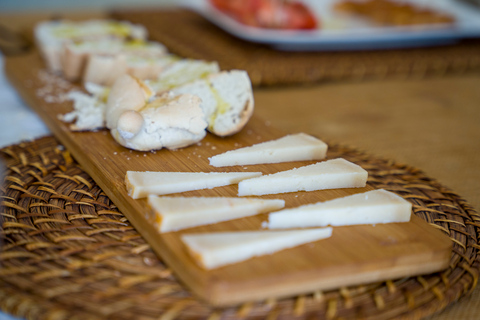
341	32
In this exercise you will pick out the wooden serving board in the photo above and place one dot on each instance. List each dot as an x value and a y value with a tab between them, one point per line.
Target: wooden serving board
353	255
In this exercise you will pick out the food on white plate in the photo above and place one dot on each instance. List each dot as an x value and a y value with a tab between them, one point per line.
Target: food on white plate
51	36
395	13
80	60
269	14
214	250
88	109
293	147
227	100
371	207
330	174
176	213
141	184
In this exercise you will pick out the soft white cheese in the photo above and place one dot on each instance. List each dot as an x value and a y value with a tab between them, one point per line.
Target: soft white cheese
176	213
87	112
140	184
166	122
372	207
295	147
213	250
227	100
331	174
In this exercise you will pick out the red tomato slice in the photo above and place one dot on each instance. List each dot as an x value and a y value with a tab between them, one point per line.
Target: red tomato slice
268	13
299	17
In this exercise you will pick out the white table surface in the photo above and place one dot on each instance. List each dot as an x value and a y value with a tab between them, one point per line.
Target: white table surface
17	123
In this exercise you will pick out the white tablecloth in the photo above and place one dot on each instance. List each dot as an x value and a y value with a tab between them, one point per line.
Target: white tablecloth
17	123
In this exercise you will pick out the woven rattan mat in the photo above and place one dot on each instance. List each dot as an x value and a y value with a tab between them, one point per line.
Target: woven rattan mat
191	36
68	253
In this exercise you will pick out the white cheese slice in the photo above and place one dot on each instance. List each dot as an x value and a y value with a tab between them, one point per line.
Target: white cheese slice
331	174
213	250
295	147
176	213
372	207
142	183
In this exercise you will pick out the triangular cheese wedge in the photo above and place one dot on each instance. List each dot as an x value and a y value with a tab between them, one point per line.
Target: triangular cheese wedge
176	213
142	183
295	147
372	207
213	250
331	174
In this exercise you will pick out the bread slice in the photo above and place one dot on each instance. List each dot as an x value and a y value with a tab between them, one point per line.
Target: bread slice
140	184
76	56
227	100
214	250
182	72
331	174
176	213
294	147
104	69
145	68
227	97
51	36
372	207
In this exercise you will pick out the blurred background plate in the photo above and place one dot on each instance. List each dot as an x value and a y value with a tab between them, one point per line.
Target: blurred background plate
338	31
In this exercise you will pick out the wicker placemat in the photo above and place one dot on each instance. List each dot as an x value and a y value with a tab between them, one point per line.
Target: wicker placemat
189	35
68	253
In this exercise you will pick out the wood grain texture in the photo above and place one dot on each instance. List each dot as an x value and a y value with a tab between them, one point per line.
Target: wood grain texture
353	255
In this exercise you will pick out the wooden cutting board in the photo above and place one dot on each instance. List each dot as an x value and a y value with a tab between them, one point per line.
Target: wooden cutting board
353	255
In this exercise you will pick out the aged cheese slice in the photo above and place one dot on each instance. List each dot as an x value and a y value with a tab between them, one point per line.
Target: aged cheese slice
142	183
295	147
372	207
176	213
213	250
331	174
